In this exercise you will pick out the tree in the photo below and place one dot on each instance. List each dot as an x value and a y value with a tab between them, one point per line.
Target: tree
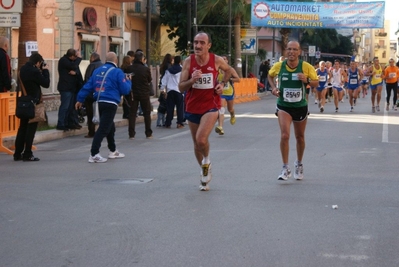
171	14
240	12
324	39
212	18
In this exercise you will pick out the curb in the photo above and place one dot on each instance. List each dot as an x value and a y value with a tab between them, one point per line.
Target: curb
50	135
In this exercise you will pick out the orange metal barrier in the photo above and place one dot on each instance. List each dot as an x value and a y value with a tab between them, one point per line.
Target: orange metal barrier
9	123
246	90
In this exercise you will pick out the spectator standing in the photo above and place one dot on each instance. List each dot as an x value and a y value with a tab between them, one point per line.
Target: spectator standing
5	65
68	72
33	75
141	79
95	62
161	111
126	62
115	85
263	71
174	98
166	64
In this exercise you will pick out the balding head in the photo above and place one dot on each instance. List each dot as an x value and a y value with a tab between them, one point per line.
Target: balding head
94	56
4	42
111	57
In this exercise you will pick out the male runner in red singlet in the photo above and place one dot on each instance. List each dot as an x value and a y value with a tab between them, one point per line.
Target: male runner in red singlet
202	102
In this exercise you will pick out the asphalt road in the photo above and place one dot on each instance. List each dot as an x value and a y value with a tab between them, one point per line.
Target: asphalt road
146	210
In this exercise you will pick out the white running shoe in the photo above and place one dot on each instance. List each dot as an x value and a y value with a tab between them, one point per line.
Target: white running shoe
285	174
206	176
115	155
298	174
97	159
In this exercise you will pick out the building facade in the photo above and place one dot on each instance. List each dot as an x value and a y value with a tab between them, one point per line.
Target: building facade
89	26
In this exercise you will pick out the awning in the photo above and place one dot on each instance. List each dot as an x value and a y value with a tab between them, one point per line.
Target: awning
115	40
89	37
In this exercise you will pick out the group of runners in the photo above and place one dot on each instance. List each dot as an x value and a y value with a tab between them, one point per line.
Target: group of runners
207	78
337	80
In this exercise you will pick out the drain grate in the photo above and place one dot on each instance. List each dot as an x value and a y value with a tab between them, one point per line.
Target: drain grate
125	181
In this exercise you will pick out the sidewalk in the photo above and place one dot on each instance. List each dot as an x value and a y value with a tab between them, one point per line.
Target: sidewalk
50	135
53	134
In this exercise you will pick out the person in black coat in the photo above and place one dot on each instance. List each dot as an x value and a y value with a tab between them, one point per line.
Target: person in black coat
5	65
69	83
263	72
141	79
33	75
95	62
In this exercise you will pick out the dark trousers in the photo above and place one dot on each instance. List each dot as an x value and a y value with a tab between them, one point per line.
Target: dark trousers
392	87
126	107
24	139
89	113
173	99
106	128
145	104
66	110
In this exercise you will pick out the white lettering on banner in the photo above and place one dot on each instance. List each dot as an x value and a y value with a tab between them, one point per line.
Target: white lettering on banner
6	4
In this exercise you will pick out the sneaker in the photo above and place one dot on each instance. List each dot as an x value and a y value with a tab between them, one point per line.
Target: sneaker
298	174
179	126
336	109
219	130
373	109
149	137
322	109
351	110
97	159
206	176
315	101
115	155
232	119
377	108
395	108
285	174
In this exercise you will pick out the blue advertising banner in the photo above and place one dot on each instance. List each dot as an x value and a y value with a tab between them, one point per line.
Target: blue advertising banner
320	15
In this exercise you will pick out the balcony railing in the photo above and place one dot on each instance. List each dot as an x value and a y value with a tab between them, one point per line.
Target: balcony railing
380	34
139	8
378	46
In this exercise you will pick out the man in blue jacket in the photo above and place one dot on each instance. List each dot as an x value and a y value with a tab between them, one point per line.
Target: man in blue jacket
115	85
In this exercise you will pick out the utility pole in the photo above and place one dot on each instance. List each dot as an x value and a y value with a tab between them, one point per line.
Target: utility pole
229	34
148	35
195	18
188	21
